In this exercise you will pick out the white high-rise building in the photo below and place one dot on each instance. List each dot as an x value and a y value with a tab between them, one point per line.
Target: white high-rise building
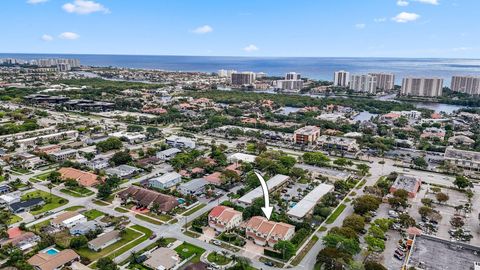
466	84
422	87
363	83
293	76
385	81
341	78
289	84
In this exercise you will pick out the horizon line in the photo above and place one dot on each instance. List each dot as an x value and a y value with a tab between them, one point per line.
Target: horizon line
237	56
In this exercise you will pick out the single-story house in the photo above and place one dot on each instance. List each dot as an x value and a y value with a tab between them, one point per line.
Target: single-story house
165	181
162	258
122	171
84	228
45	261
168	153
193	187
85	179
104	240
24	206
68	219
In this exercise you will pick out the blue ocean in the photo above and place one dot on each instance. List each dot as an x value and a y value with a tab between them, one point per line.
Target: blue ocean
320	68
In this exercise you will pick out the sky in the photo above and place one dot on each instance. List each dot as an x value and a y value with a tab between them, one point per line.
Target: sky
304	28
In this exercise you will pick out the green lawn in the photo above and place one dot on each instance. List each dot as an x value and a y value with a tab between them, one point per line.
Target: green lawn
36	228
147	219
121	210
147	233
42	176
21	170
93	214
335	214
186	250
194	209
147	248
74	208
162	217
101	203
217	258
77	192
2	178
14	219
304	251
51	201
94	255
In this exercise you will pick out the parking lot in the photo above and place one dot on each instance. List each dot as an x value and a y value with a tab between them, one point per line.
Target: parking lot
448	211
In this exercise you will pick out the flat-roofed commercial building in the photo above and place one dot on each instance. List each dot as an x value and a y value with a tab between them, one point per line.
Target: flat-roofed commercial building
469	160
466	84
306	205
272	184
422	87
338	143
306	135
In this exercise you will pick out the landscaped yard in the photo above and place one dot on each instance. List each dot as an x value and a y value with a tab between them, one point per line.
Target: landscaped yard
147	233
147	219
194	209
41	177
74	208
304	251
51	201
121	210
335	214
219	259
93	214
14	219
186	250
162	217
101	203
77	191
129	235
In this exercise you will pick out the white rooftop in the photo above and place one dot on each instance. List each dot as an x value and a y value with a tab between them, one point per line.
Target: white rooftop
308	202
272	183
241	156
166	177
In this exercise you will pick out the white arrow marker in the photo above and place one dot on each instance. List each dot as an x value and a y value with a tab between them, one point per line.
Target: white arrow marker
267	210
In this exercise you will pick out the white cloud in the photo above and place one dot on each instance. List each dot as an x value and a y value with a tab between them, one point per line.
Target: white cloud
84	7
251	48
34	2
204	29
430	2
379	20
46	37
69	35
405	17
360	26
402	3
462	49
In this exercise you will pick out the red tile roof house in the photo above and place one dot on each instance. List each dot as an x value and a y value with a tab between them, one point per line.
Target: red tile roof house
85	179
223	218
214	178
265	232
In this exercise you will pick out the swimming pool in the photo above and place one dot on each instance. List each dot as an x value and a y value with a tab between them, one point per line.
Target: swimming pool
51	251
181	201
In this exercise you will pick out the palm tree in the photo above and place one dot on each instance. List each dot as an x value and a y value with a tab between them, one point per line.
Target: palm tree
50	186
